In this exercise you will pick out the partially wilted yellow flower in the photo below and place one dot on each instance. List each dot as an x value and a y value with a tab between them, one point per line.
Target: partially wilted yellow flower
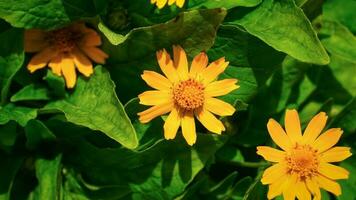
187	93
303	166
161	3
65	50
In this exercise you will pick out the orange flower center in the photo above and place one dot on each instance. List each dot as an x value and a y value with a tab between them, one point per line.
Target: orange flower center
64	40
302	161
189	94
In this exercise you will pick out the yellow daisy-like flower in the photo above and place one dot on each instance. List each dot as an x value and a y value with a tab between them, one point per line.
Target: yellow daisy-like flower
161	3
65	50
303	166
187	93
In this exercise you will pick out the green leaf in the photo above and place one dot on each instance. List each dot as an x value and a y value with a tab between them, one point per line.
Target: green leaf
348	186
283	25
346	118
56	83
94	104
10	164
48	14
195	30
342	11
341	41
218	3
48	173
11	59
36	133
19	114
159	172
251	61
31	93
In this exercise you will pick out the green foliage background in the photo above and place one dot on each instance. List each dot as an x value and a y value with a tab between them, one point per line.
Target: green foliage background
87	143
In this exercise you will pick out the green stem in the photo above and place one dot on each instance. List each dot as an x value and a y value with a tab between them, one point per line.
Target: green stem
250	164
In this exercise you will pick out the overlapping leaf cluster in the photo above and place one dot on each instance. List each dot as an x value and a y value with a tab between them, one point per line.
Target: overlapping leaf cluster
87	143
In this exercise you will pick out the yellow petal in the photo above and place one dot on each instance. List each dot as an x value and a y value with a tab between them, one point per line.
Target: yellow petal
336	154
41	59
96	54
222	87
276	188
172	124
278	135
54	64
219	107
289	192
82	63
156	80
313	187
180	62
180	3
332	171
188	128
199	63
292	125
34	40
302	191
214	70
68	71
209	121
154	97
327	140
314	128
166	64
328	185
274	173
161	3
271	154
155	111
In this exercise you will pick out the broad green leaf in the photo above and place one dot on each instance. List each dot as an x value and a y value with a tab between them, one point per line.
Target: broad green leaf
48	173
342	11
226	4
94	104
195	30
251	61
182	30
10	164
159	172
283	25
11	59
36	133
31	93
17	113
48	14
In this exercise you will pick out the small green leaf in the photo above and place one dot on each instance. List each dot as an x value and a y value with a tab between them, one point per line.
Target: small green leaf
31	93
19	114
283	25
94	104
56	83
48	173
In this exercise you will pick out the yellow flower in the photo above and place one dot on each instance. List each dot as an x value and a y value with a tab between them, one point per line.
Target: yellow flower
161	3
65	50
303	166
186	94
